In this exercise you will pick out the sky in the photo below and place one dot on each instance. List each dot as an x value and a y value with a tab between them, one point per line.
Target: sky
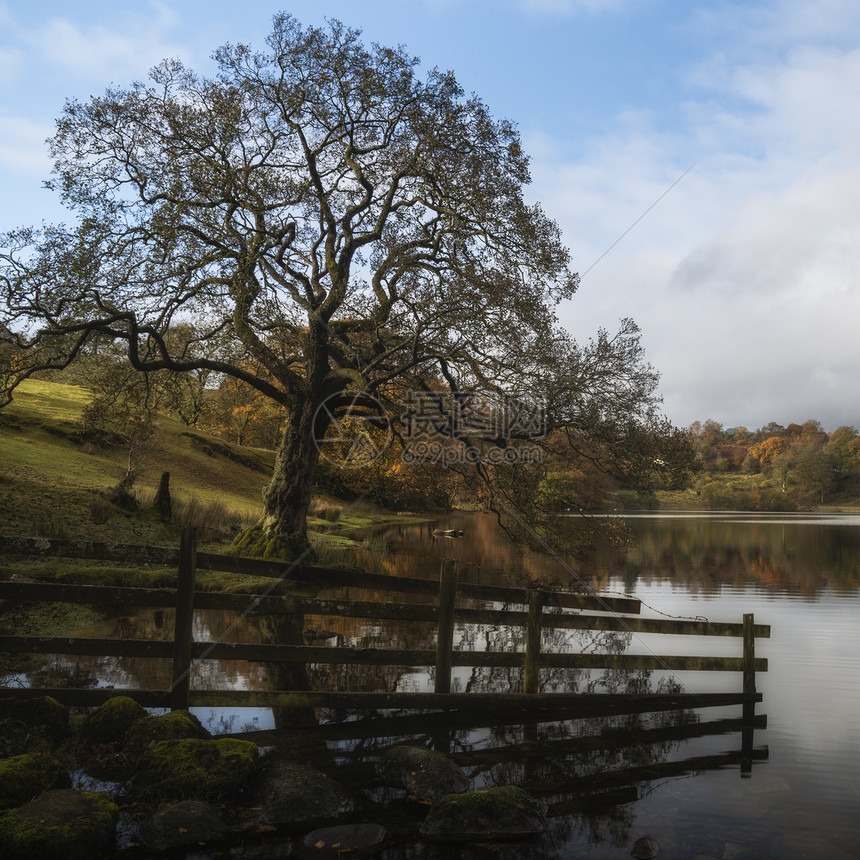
701	158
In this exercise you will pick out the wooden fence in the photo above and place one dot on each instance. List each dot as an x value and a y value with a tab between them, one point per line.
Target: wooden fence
541	609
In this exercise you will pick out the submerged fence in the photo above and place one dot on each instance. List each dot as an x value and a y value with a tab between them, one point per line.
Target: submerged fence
541	610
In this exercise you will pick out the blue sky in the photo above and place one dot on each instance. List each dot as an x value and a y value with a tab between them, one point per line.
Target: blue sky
743	278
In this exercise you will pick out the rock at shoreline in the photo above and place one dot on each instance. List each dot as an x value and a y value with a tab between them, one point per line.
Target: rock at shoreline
192	768
347	840
185	823
25	723
425	774
297	796
506	812
23	777
109	723
645	848
149	730
59	825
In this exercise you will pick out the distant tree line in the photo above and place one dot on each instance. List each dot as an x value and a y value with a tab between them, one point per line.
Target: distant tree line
775	467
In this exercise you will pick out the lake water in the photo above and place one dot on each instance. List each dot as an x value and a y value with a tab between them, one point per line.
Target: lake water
675	777
800	574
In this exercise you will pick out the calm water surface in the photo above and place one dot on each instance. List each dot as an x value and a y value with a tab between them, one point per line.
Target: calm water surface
798	573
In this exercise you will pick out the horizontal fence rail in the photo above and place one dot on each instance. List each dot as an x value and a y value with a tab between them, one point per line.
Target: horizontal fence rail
540	610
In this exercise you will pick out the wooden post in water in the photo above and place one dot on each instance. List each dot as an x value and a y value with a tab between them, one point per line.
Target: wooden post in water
749	653
445	629
749	689
183	637
534	626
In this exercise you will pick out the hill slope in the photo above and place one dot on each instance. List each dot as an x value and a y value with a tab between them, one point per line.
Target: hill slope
53	484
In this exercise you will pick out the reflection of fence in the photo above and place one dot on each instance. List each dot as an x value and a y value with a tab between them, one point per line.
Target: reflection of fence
444	608
592	757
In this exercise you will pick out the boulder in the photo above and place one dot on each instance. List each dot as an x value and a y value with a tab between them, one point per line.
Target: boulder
347	840
145	732
23	777
59	825
296	796
644	848
109	723
29	723
424	774
192	768
506	812
188	822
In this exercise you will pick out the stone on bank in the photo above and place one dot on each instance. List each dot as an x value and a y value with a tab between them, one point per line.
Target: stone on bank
423	773
59	825
191	768
295	796
188	822
23	777
109	722
506	812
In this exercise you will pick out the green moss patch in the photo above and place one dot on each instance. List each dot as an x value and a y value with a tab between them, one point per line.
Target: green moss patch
31	724
175	725
109	723
203	770
23	777
59	825
255	542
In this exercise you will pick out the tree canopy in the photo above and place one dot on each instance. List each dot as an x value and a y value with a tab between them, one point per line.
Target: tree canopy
332	225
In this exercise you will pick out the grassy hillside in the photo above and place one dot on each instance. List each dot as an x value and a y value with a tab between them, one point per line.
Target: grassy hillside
52	483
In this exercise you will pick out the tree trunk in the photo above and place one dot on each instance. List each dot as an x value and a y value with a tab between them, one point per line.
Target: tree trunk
288	495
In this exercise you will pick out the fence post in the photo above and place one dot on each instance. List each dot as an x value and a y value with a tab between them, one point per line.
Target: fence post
445	628
749	689
749	653
534	626
183	637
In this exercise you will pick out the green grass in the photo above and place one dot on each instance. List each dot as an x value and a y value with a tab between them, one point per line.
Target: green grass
51	483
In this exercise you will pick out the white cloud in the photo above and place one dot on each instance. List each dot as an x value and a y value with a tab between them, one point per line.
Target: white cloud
764	27
568	7
127	47
22	146
11	66
745	278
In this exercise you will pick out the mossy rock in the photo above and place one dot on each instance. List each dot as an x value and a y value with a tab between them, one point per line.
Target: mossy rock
23	777
506	812
59	825
425	774
198	769
109	723
297	796
149	730
27	724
